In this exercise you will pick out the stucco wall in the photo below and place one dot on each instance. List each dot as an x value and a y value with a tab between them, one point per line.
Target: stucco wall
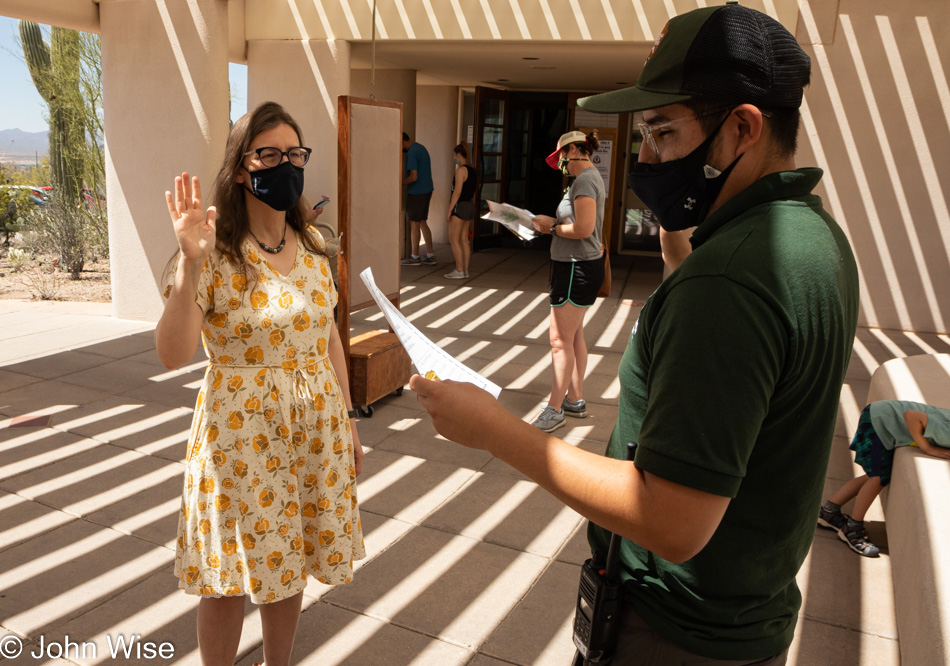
162	115
877	119
394	85
437	130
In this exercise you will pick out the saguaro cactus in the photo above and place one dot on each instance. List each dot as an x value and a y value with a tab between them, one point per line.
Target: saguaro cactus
55	71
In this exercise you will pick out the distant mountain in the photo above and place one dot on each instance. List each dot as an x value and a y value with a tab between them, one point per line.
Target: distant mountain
17	143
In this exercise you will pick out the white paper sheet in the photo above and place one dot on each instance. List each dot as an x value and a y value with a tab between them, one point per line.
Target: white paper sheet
518	220
430	360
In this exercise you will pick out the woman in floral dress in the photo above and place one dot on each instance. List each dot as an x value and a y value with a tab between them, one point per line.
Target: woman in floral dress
270	482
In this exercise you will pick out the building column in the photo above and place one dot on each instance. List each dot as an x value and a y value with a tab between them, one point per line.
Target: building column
437	121
165	104
305	77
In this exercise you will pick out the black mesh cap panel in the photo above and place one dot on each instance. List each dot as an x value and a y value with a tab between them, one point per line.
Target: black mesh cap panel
744	56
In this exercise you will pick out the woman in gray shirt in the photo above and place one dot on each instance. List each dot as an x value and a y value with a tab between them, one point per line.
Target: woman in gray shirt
577	272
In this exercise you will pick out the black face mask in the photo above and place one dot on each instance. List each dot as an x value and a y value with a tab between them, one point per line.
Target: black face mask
279	187
679	192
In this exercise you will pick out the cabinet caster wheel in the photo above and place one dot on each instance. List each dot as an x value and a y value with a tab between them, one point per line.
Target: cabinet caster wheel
399	391
365	410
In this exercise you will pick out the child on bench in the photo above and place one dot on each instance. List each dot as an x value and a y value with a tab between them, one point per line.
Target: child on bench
883	425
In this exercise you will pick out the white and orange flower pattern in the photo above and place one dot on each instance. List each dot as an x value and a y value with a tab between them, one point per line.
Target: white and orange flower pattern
270	482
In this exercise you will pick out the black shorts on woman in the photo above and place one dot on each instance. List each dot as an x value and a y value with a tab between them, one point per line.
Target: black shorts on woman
465	211
576	282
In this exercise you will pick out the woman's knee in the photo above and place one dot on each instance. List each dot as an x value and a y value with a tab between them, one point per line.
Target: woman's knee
558	345
561	341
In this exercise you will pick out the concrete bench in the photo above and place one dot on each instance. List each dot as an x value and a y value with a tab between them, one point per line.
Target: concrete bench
915	509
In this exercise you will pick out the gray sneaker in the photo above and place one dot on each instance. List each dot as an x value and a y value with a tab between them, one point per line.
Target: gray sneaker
549	419
411	261
576	409
429	260
833	520
857	539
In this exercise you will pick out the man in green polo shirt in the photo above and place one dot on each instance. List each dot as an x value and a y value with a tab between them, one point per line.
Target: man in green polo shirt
731	378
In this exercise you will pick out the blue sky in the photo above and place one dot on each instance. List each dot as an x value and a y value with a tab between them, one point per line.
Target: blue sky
22	107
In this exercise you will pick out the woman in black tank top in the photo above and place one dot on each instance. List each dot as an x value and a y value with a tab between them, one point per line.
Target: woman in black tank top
462	210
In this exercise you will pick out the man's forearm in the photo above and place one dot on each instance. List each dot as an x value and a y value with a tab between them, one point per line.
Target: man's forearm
670	520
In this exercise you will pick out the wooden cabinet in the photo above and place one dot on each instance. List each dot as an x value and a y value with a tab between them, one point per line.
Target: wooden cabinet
379	365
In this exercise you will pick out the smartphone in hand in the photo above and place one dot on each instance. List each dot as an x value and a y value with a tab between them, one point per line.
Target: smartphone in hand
321	204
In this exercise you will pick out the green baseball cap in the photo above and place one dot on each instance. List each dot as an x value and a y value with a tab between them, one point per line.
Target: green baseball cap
731	53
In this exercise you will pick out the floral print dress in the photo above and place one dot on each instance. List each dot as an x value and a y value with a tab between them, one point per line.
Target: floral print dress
270	480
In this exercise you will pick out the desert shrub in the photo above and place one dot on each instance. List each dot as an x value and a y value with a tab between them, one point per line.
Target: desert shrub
61	230
31	242
14	205
43	283
96	227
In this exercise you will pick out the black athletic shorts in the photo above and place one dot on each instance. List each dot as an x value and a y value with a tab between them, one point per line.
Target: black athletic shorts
576	282
464	210
417	206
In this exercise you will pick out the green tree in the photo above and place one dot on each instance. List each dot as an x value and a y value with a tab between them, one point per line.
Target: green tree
55	70
94	163
67	73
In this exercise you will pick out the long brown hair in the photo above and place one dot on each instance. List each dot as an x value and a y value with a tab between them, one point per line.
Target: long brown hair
228	195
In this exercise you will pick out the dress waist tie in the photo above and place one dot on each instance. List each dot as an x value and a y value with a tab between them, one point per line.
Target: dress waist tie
302	388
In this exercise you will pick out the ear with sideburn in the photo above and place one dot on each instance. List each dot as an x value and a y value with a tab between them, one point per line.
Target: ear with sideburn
747	124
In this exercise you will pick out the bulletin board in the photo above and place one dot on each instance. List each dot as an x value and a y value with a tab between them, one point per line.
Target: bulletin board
605	160
369	190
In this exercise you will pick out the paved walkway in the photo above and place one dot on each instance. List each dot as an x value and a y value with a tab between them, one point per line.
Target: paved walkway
469	562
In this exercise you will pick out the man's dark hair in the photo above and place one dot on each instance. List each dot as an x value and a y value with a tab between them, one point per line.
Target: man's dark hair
405	137
784	122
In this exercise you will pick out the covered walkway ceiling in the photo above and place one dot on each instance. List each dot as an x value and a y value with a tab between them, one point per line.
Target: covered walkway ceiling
519	66
580	46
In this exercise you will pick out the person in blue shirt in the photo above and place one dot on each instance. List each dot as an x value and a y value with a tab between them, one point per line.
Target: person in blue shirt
418	182
883	426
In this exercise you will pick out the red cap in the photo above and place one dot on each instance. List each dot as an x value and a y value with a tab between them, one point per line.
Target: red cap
566	139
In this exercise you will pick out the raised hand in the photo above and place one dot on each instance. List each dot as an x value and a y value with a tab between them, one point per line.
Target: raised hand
194	226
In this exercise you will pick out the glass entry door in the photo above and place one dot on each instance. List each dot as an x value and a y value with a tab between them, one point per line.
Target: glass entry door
491	140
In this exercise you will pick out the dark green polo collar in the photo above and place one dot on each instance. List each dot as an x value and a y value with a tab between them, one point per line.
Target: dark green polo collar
775	186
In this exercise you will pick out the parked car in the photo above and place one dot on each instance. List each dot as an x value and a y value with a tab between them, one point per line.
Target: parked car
92	199
38	194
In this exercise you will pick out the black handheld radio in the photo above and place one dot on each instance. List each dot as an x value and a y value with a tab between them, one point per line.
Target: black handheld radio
599	596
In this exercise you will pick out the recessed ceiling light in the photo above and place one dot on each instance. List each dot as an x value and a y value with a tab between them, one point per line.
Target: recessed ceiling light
530	58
